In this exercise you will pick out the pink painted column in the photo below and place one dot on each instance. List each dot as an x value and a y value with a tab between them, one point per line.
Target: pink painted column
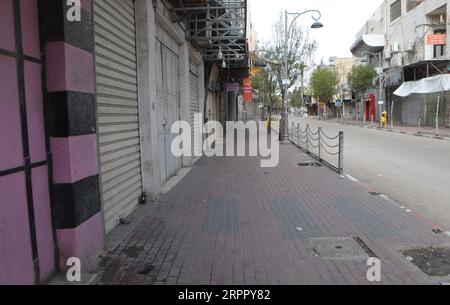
70	95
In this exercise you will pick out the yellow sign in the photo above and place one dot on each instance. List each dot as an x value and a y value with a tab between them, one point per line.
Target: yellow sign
256	71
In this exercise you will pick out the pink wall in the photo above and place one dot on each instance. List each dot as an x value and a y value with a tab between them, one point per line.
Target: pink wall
41	196
30	28
35	111
10	130
7	39
16	265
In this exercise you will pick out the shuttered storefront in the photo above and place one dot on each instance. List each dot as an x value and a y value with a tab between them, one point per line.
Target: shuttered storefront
117	108
168	97
195	107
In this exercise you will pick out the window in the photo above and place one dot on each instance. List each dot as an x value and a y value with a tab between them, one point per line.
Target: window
439	50
412	4
396	10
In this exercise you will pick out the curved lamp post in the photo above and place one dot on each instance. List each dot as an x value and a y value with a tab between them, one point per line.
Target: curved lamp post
315	25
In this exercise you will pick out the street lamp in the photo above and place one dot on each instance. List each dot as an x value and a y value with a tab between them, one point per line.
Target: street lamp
315	25
378	57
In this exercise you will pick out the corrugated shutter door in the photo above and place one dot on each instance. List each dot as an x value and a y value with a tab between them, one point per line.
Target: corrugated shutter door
117	108
195	108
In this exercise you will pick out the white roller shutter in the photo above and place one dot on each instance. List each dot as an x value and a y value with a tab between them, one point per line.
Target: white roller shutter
195	108
117	108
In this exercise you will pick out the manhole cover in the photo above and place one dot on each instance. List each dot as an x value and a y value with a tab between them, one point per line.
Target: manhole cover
309	164
339	249
432	261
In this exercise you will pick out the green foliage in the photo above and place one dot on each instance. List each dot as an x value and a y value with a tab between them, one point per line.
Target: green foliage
324	81
360	78
266	83
296	99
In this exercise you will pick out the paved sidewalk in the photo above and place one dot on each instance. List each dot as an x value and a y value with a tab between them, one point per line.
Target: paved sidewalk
231	222
426	131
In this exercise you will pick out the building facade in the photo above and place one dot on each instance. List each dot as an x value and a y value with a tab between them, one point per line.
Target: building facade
411	36
88	95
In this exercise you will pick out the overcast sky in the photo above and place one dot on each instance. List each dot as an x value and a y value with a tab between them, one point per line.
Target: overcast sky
342	20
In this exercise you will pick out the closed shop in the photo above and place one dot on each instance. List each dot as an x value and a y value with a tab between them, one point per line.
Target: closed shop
117	108
168	105
194	107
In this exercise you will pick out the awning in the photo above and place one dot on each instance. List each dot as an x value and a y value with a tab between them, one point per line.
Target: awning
438	83
368	43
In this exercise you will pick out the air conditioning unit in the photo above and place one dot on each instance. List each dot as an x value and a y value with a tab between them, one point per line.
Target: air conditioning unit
387	54
395	48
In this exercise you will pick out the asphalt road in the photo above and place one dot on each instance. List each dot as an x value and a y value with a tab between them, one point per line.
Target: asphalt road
412	170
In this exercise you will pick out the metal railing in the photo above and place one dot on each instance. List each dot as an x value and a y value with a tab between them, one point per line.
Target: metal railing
326	149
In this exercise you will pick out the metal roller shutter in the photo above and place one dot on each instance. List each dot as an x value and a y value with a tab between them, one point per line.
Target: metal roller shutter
195	108
117	108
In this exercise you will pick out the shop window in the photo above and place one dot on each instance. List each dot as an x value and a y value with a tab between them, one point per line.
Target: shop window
396	10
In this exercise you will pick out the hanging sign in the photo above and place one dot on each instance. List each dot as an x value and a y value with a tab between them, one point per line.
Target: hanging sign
247	90
232	87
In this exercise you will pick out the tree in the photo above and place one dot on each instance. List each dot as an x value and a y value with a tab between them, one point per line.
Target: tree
296	99
266	82
324	83
300	52
360	80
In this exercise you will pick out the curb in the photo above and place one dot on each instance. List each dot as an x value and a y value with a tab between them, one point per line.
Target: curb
398	132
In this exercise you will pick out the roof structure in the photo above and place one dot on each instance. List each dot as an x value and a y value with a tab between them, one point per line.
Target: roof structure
215	26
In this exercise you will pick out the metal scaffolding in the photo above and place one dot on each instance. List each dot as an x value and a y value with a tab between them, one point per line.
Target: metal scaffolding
215	27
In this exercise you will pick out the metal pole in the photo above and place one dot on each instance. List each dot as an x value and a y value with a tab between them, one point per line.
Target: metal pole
380	63
341	152
437	115
392	114
286	75
307	138
320	146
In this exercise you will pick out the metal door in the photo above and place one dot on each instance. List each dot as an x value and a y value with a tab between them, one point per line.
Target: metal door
168	92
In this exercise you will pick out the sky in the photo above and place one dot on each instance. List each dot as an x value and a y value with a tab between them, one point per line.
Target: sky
342	19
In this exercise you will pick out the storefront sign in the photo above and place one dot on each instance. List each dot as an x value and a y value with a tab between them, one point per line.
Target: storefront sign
436	39
232	87
247	90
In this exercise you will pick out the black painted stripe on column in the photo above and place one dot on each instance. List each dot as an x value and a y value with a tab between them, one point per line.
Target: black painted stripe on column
77	202
56	27
70	114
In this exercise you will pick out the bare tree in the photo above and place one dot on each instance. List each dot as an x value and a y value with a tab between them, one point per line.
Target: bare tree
300	51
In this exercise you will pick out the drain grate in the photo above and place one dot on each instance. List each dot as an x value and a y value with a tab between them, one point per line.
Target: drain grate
309	164
339	249
432	261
